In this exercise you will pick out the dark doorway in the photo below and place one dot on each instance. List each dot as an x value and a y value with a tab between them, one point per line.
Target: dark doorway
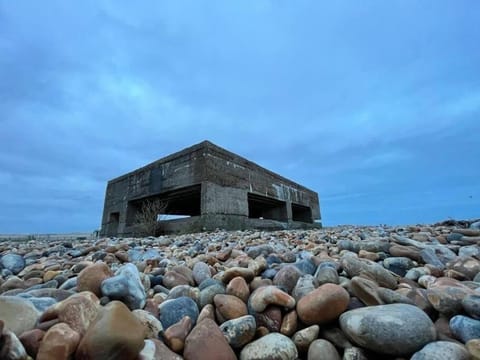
301	213
262	207
184	201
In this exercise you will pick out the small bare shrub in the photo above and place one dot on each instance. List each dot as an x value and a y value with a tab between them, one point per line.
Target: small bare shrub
146	219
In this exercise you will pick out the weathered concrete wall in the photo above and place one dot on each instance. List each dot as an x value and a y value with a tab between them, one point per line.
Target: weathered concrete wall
229	170
218	199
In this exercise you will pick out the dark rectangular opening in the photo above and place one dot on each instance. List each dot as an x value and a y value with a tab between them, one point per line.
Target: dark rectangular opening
301	213
184	201
262	207
113	222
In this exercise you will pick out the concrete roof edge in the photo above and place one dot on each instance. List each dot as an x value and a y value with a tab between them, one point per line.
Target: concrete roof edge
206	144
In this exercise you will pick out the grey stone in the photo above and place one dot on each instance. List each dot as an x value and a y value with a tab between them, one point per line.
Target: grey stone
257	250
126	286
442	350
207	294
172	311
69	284
354	353
305	285
287	278
18	314
322	349
13	262
271	346
395	329
475	225
201	272
239	331
306	266
471	250
40	303
326	274
454	237
151	254
429	257
376	246
465	328
355	266
471	304
398	265
349	245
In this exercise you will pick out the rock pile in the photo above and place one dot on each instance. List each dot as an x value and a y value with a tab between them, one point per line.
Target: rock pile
336	293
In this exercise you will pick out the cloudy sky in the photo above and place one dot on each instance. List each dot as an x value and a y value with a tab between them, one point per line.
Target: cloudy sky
373	104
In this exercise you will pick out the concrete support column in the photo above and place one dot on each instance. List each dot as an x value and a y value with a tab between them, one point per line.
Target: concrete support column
216	199
289	210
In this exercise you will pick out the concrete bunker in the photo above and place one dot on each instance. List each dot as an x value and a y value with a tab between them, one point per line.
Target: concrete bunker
208	187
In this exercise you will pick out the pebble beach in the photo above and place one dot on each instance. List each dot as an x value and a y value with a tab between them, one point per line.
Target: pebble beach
347	292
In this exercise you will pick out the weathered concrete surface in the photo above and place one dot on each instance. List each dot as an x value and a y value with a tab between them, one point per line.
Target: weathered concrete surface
215	187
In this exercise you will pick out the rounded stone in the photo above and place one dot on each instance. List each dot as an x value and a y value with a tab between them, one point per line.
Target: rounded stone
305	285
395	329
354	266
201	271
467	266
173	278
206	295
289	323
471	304
31	341
184	290
152	325
10	346
306	266
59	342
155	349
322	349
238	287
77	311
287	278
366	290
233	272
229	307
176	334
269	295
270	318
327	274
239	331
398	265
91	278
126	286
447	299
40	303
354	353
13	262
465	328
172	311
393	297
323	304
18	314
206	342
442	350
115	334
473	347
303	338
271	346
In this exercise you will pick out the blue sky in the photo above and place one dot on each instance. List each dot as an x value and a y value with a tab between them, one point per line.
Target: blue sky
373	104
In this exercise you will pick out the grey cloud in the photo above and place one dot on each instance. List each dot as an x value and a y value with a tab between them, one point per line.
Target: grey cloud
352	101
